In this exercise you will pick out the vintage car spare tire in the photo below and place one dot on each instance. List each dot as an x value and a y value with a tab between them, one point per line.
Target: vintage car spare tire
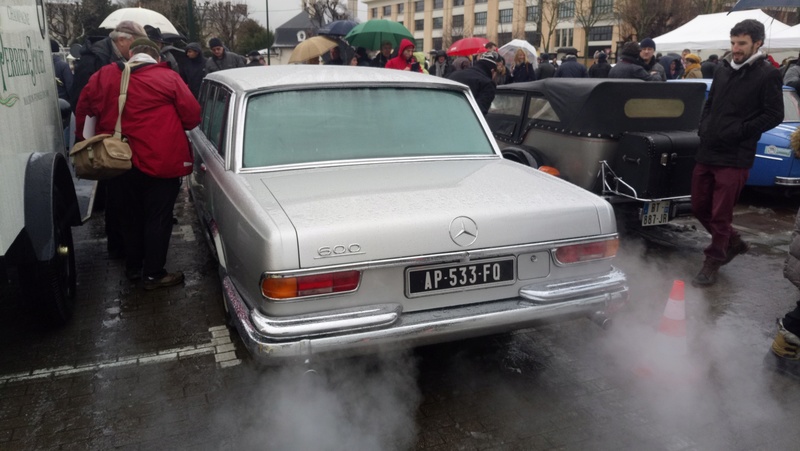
523	156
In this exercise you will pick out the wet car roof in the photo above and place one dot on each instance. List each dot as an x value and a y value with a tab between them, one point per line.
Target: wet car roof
256	78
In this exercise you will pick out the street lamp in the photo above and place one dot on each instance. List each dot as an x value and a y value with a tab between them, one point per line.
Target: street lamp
269	50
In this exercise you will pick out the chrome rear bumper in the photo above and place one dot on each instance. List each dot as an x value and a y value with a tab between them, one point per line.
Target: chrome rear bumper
362	329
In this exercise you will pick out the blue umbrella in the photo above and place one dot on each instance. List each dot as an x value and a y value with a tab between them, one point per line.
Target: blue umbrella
757	4
337	28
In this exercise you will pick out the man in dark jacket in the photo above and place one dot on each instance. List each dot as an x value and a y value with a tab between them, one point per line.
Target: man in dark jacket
745	100
648	60
571	68
221	58
601	68
158	111
709	66
629	66
479	78
383	56
441	67
193	70
546	68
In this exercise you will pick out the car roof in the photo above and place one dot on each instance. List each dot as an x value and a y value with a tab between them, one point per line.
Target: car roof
284	76
592	105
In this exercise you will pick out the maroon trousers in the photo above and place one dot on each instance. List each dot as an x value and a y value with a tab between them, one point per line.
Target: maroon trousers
715	191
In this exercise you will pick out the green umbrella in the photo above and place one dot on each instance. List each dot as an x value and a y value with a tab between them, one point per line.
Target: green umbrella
372	33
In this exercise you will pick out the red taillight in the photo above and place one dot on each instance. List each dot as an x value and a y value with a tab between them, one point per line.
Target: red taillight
587	251
317	284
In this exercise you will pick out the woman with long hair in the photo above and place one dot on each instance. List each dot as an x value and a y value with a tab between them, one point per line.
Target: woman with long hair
522	70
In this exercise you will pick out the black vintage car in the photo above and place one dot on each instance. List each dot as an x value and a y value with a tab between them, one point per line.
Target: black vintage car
630	141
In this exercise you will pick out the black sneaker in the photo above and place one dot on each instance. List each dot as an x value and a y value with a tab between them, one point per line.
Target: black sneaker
170	279
133	274
736	246
708	274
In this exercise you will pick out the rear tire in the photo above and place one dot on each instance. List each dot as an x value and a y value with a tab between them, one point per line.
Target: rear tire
50	285
528	157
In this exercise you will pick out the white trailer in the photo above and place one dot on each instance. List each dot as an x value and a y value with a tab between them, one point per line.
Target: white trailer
38	205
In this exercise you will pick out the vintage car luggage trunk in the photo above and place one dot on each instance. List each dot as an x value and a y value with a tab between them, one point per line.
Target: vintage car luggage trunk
657	164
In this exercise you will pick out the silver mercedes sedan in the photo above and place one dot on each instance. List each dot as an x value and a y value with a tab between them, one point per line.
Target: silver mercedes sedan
356	209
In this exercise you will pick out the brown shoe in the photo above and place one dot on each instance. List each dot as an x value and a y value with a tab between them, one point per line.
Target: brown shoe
708	274
170	279
736	246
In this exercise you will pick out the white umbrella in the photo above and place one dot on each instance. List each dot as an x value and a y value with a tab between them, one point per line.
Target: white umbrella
509	50
142	16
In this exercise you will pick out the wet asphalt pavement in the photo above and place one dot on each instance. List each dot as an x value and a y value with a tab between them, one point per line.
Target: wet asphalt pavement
158	370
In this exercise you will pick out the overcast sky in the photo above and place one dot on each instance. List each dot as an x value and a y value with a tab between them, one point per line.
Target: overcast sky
282	10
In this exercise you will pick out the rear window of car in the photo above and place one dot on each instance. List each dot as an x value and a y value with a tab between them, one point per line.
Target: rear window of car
317	125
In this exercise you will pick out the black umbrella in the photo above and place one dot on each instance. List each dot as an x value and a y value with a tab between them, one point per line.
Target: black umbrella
337	28
757	4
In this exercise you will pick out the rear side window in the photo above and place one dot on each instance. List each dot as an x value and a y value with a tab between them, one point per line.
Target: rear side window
217	129
317	125
539	108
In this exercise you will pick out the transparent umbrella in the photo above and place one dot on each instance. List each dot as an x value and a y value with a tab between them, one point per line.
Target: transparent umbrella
509	51
142	16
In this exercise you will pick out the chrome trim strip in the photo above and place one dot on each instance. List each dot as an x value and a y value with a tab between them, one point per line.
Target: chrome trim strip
464	256
767	157
787	181
414	328
549	291
363	161
338	321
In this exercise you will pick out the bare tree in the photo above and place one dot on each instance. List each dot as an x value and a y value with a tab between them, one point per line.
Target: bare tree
322	12
548	19
63	22
222	20
649	18
587	14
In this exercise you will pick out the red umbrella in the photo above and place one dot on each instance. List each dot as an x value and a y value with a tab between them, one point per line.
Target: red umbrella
468	46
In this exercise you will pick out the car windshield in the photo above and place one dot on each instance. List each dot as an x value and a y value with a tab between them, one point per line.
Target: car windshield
317	125
791	106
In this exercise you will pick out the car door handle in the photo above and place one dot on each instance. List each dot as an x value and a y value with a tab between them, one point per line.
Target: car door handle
203	167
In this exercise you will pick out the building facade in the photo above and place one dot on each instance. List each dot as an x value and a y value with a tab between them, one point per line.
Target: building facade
547	24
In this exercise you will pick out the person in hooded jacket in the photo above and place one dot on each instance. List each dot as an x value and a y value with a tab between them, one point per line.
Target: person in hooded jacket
629	66
709	66
158	111
673	67
571	68
441	67
792	75
601	68
193	69
480	79
405	58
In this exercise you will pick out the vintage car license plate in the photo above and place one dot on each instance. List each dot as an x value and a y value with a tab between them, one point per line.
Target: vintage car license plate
655	213
436	279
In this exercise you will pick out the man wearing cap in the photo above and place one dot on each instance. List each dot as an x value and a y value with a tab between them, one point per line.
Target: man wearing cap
193	68
629	67
745	100
221	58
571	68
154	34
112	49
480	79
709	66
158	111
647	51
255	59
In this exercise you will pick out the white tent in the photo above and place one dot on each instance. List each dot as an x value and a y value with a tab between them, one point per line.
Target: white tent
712	31
786	39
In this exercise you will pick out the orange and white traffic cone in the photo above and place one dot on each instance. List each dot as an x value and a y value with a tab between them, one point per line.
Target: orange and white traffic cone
668	356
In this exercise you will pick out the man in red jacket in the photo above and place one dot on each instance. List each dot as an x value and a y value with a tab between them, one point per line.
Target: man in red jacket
405	58
158	110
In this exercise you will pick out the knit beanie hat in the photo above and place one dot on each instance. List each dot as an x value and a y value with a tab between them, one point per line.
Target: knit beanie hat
214	42
648	43
630	50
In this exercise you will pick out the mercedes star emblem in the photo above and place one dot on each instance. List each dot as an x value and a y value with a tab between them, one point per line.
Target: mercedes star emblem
463	231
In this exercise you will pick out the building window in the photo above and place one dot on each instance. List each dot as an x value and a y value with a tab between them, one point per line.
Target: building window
480	18
419	24
506	15
419	6
438	4
532	13
503	38
458	21
374	13
437	43
438	23
458	2
602	7
481	1
600	33
456	37
566	10
564	37
387	10
400	8
534	37
418	43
